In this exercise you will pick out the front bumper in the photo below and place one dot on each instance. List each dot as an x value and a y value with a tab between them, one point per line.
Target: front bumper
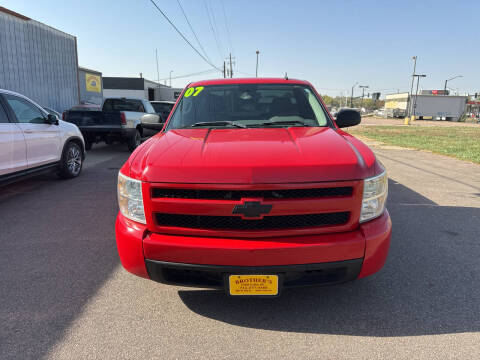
301	260
214	276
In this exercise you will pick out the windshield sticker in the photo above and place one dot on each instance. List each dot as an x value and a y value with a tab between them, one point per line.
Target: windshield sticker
195	91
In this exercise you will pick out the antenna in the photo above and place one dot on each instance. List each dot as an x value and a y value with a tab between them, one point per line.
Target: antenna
156	57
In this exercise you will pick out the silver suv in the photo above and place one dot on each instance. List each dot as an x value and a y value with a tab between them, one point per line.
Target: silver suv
32	140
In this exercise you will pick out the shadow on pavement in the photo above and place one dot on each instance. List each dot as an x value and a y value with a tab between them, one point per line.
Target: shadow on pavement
57	248
429	284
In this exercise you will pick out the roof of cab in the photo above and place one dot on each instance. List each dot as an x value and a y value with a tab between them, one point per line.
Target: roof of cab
249	81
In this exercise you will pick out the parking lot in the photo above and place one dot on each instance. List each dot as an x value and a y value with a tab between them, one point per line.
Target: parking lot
65	295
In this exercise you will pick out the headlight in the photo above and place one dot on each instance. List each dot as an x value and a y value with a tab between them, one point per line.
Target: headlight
130	199
375	191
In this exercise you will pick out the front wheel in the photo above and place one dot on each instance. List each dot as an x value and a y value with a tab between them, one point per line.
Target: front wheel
134	141
71	162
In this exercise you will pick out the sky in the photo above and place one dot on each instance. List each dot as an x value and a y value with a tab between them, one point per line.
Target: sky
332	44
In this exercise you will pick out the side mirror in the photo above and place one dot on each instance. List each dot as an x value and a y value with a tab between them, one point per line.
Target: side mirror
348	117
51	119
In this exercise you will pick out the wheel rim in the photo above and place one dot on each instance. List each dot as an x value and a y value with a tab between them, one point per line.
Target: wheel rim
74	160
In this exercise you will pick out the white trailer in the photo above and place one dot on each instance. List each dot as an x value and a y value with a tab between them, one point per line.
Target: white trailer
447	107
435	106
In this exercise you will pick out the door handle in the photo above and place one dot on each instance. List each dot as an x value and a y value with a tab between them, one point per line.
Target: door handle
28	131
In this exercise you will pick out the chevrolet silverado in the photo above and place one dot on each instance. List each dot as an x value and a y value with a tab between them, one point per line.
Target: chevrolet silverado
252	187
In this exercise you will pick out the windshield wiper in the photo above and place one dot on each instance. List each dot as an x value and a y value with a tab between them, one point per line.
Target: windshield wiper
219	123
285	122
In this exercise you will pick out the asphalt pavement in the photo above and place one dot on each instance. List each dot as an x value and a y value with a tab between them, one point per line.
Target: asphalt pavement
64	294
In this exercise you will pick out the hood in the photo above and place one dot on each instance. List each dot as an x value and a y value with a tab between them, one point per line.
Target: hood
252	156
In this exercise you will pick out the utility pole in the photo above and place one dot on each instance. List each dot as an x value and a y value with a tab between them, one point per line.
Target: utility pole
411	88
351	97
256	69
171	78
363	87
224	69
230	61
416	94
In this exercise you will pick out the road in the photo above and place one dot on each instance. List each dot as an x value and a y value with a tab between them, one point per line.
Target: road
64	294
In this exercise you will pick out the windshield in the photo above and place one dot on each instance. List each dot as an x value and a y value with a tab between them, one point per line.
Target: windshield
248	105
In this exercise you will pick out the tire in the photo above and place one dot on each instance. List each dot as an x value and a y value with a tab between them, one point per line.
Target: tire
134	141
88	145
71	162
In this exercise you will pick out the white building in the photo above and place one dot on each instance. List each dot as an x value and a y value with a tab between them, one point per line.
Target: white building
138	88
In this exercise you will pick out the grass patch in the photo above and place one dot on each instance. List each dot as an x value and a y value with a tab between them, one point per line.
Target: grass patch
459	142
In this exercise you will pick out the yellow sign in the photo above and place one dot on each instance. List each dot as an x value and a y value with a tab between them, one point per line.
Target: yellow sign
94	83
253	284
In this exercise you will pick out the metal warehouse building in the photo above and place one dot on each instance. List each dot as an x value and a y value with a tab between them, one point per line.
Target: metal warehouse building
38	61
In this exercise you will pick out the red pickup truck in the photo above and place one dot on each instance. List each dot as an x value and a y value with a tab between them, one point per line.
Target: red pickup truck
252	187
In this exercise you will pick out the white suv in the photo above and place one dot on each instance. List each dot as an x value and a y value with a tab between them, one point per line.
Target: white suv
33	140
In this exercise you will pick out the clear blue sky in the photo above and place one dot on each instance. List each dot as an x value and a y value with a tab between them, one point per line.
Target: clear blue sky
333	44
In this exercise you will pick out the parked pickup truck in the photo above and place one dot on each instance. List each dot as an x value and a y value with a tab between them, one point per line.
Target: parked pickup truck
121	119
252	187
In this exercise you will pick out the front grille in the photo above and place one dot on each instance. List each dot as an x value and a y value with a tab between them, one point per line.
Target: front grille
241	194
237	223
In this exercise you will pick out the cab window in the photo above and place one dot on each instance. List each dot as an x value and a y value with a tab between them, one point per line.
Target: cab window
123	105
149	108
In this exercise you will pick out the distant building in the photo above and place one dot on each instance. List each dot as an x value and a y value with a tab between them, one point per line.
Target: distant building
38	61
396	105
138	88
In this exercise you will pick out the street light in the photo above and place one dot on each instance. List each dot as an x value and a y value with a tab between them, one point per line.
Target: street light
171	78
363	87
416	94
256	69
446	81
351	97
410	105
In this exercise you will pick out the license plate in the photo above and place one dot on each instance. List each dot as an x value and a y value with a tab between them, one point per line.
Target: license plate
253	285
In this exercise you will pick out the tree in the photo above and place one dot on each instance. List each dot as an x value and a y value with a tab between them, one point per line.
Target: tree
327	99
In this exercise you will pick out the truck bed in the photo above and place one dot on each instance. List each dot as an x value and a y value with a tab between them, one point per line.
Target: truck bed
95	119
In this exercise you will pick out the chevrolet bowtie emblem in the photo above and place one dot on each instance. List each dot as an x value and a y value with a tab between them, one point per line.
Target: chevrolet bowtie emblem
252	209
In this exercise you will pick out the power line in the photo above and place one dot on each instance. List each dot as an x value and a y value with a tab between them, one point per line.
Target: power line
183	36
226	26
330	89
212	12
213	30
244	73
193	31
189	75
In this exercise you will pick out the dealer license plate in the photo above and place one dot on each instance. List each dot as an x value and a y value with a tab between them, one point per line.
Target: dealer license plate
253	284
